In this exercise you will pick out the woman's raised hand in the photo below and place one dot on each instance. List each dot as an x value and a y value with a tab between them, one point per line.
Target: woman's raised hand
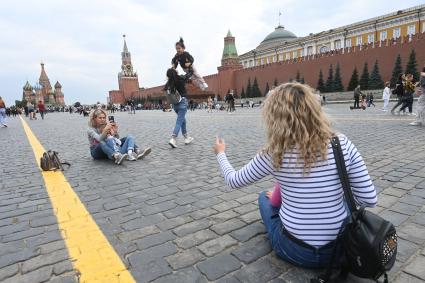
219	146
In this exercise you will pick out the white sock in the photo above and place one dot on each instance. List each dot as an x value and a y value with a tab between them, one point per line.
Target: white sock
130	151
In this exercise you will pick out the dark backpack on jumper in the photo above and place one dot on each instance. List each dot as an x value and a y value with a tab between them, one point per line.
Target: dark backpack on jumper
366	245
50	161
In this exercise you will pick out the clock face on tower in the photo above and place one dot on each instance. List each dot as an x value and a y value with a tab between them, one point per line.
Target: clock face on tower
128	67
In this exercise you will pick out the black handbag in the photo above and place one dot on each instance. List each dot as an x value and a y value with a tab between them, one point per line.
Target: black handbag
173	97
366	245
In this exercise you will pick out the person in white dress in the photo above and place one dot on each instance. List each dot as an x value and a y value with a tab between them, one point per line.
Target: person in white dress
386	96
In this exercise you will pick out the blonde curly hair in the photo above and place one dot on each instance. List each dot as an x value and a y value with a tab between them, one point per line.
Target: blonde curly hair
295	122
94	114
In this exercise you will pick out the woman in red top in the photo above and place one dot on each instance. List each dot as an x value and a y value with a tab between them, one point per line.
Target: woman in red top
41	109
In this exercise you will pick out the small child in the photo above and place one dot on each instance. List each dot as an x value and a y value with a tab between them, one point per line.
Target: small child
185	60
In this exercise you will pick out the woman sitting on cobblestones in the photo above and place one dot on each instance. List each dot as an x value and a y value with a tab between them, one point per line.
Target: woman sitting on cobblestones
298	154
105	142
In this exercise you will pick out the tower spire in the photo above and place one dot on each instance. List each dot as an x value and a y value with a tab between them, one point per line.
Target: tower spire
125	49
44	79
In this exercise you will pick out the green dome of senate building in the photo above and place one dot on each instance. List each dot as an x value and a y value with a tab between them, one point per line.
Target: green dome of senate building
280	33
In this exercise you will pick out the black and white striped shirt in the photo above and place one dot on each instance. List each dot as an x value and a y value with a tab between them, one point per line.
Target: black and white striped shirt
312	206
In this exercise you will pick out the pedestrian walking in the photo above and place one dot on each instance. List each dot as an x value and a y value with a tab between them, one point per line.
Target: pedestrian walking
386	94
399	91
31	111
41	109
2	113
370	101
409	90
420	108
176	84
210	104
357	94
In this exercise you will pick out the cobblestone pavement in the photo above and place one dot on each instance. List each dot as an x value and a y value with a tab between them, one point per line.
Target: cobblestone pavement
169	216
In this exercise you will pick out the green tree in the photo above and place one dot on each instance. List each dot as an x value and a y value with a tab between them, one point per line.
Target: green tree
267	88
397	70
375	81
412	66
338	81
330	81
302	80
243	92
77	104
256	92
275	83
249	89
354	81
364	78
321	83
297	77
20	104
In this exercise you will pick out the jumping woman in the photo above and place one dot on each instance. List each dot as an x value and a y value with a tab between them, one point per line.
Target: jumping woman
176	83
185	60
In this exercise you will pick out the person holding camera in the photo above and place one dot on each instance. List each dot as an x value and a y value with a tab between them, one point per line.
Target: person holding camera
105	142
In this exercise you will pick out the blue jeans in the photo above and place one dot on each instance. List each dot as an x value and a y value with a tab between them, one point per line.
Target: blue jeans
107	148
181	109
284	246
127	143
102	151
2	116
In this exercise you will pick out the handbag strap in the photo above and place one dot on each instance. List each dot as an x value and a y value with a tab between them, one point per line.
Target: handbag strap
342	172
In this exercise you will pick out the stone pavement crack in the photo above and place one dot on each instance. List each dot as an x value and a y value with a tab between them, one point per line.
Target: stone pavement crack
91	253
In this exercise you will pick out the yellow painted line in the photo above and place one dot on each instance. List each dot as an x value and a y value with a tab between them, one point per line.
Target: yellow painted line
91	253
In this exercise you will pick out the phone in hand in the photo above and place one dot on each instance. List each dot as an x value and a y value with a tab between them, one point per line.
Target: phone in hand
111	119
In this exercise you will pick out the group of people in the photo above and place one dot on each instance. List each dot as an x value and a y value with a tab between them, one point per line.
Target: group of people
404	90
297	153
103	134
361	100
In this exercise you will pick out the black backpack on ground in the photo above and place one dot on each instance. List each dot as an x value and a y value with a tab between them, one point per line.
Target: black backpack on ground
50	161
366	245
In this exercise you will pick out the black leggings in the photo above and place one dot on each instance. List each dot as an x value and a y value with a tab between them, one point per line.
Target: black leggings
399	102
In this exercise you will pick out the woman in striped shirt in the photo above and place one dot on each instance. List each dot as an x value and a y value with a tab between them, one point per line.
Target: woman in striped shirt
298	154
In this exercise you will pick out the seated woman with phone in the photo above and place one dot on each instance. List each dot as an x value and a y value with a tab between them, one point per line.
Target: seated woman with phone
105	142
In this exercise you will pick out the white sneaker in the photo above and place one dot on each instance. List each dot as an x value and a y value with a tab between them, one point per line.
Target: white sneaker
415	123
131	157
173	143
119	158
188	140
146	151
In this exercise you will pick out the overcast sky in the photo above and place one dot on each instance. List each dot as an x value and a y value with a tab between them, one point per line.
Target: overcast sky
80	41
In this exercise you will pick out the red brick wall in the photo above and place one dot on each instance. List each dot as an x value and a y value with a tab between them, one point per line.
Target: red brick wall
116	96
309	67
